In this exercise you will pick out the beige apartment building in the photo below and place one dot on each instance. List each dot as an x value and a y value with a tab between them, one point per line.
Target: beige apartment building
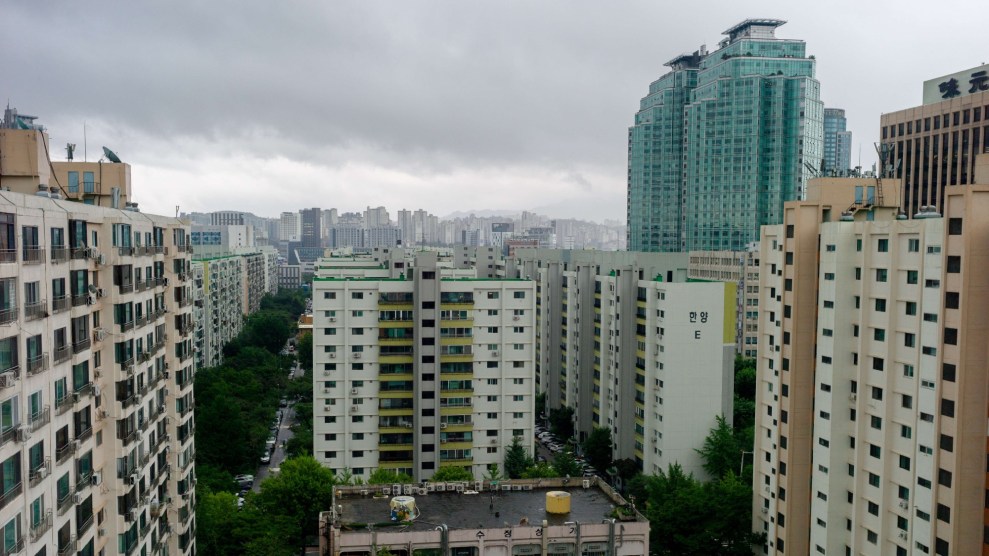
871	400
96	451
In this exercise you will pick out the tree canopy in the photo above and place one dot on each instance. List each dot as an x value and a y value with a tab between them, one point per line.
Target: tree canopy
516	459
597	448
561	422
452	473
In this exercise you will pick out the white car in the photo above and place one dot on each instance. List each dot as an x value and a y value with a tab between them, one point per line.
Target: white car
266	458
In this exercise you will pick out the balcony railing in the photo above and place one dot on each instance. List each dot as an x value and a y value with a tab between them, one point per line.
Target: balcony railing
79	253
10	550
65	452
39	473
78	300
36	310
81	345
37	364
84	526
38	529
70	546
125	326
63	404
33	255
8	315
60	254
61	354
85	435
8	255
39	419
11	493
60	303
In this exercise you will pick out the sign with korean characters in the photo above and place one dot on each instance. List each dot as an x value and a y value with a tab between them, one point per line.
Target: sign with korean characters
975	80
698	318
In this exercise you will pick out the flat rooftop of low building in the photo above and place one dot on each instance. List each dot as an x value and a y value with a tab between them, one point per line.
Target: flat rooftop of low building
482	510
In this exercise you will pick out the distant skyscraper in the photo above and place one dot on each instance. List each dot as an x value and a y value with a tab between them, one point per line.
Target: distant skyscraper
311	231
837	143
288	226
720	142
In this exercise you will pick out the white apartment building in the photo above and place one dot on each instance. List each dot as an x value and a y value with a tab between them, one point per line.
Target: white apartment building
96	452
626	342
221	281
415	370
290	226
741	268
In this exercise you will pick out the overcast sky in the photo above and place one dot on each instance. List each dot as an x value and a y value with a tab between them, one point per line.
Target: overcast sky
446	106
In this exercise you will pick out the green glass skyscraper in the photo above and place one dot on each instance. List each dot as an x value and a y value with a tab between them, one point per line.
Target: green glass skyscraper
722	141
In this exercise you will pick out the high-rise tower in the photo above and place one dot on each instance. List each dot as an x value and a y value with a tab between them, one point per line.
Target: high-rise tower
837	143
721	141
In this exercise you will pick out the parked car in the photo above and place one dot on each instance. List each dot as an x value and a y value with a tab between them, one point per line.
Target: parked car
244	481
266	458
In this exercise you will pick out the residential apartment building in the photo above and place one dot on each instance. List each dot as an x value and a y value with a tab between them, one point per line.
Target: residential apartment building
420	367
871	397
742	269
96	447
223	283
289	226
933	146
626	342
721	141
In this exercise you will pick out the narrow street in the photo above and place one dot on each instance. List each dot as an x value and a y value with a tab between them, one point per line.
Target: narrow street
284	434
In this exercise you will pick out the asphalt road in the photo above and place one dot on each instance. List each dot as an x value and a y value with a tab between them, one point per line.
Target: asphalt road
284	434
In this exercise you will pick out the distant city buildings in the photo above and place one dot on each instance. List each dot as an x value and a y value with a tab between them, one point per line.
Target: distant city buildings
837	143
722	141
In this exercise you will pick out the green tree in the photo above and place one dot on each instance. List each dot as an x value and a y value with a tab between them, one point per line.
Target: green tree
516	459
216	518
304	350
539	471
597	448
540	405
566	466
451	473
561	422
493	473
720	451
382	476
299	492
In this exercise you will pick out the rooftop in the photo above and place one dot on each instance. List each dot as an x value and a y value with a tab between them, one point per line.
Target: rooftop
484	510
755	22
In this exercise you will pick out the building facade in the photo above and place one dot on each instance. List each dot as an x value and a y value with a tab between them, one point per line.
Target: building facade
871	394
96	447
742	269
837	143
627	343
933	146
414	370
757	97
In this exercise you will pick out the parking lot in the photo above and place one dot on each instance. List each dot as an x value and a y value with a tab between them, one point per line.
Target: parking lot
548	446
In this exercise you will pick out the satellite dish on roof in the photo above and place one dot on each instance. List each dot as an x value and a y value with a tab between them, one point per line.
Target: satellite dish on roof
111	156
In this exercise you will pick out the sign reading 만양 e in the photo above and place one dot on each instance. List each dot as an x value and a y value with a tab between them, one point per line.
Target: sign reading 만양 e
963	83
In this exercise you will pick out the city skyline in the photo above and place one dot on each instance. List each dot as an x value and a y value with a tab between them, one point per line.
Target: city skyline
225	117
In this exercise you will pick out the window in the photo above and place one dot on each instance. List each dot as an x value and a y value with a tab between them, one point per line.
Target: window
877	393
879	335
880	305
947	443
519	295
882	245
906	401
881	274
947	408
876	422
329	295
909	340
954	226
913	245
948	372
910	308
932	283
944	513
908	371
951	300
912	276
944	477
492	295
875	451
904	462
874	480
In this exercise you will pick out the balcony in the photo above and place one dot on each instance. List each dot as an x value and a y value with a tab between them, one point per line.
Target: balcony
37	364
33	255
84	526
63	404
126	326
85	435
8	255
81	345
39	419
61	354
65	452
35	476
78	300
13	492
10	550
40	528
8	315
126	251
60	303
36	310
60	254
127	287
70	546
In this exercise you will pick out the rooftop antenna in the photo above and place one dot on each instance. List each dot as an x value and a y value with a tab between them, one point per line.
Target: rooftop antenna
69	149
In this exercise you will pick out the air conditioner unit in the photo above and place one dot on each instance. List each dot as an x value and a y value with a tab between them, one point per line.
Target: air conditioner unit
75	445
90	299
96	389
75	397
903	535
765	511
76	498
23	434
386	491
42	472
442	425
332	319
494	354
333	355
904	504
422	491
357	355
353	409
407	425
353	391
430	487
100	292
132	515
515	317
440	487
97	373
494	440
586	483
852	397
96	479
326	390
7	380
101	532
166	282
766	488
